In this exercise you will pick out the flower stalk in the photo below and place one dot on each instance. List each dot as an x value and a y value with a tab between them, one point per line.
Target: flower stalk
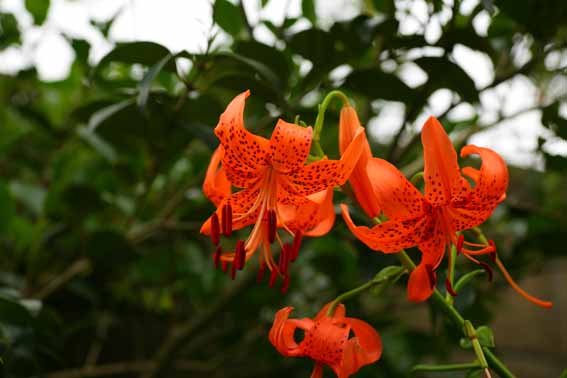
321	119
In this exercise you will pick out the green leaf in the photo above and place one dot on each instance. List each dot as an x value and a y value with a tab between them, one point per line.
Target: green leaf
103	114
12	312
564	374
315	45
144	53
98	144
445	74
146	83
9	32
377	84
32	196
264	3
308	10
465	279
388	272
270	57
38	10
229	17
485	338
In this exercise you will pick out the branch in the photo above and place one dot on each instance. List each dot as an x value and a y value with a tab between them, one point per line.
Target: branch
78	267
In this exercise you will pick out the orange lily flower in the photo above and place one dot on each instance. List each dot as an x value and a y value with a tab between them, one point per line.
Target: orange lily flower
349	126
326	341
277	190
432	221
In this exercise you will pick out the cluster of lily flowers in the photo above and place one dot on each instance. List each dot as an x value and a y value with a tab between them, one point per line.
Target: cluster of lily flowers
266	184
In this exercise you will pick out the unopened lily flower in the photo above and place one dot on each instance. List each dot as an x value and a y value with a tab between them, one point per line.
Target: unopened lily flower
433	221
326	340
273	189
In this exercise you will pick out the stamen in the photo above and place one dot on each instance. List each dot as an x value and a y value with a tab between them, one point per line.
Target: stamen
224	265
295	245
460	242
261	270
233	270
215	229
273	278
493	253
272	226
483	265
284	260
519	290
217	256
285	284
432	275
227	220
449	287
240	255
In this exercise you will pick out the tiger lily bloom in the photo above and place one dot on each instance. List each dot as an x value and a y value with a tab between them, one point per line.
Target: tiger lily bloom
326	340
277	190
433	221
349	126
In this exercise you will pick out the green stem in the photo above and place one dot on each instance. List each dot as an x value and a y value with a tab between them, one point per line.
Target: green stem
471	333
416	178
321	118
449	367
455	316
341	298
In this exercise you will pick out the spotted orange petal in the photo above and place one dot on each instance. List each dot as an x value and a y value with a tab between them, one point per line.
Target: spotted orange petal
390	236
314	216
363	349
398	198
244	153
442	178
282	332
216	185
349	126
289	146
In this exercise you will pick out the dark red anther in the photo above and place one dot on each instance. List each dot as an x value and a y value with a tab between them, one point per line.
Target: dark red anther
224	265
493	253
284	259
295	245
240	255
449	287
217	256
432	275
273	277
215	229
285	284
261	271
227	220
488	269
460	243
272	225
233	270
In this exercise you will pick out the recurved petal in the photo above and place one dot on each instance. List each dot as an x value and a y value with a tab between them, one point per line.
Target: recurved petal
441	172
324	173
420	285
289	146
398	198
337	315
216	185
390	236
282	332
363	349
491	181
314	216
349	126
244	153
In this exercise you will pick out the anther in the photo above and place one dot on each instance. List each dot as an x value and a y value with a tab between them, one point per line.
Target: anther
217	256
273	278
295	245
284	259
233	270
215	229
431	275
240	255
488	270
449	287
460	242
227	220
272	226
285	284
261	271
224	265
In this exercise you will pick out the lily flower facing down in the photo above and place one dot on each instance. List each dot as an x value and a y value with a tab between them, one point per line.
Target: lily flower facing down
277	190
326	340
433	221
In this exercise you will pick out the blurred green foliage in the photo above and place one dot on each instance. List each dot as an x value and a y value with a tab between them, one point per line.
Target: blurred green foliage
103	266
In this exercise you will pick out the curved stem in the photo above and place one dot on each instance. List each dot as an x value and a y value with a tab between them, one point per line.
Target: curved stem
321	118
448	367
